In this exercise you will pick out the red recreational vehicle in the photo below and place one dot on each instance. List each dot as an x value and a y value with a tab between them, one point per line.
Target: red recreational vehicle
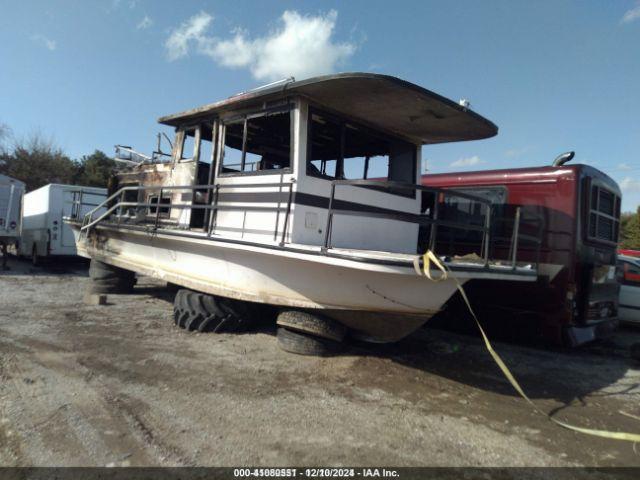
577	209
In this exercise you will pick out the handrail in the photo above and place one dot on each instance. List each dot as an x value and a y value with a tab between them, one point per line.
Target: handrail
88	221
433	219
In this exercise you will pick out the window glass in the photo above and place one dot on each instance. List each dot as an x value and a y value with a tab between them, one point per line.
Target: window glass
268	143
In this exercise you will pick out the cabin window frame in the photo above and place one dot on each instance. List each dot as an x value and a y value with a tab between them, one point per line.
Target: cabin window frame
164	204
180	139
246	117
342	122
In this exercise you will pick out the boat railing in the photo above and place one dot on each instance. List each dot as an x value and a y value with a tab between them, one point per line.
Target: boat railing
113	209
434	219
116	204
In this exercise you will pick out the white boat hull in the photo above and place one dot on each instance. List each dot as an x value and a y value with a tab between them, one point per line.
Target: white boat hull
382	302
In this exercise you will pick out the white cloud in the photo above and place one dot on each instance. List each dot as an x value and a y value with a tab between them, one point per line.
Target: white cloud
145	23
466	162
44	41
623	166
630	185
631	14
190	32
301	46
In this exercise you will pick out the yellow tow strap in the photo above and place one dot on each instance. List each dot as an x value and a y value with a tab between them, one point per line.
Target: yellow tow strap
427	259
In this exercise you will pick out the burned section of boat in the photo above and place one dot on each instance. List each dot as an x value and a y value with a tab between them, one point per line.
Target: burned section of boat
305	195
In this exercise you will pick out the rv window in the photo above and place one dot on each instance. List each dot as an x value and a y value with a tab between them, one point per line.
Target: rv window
340	149
604	215
258	143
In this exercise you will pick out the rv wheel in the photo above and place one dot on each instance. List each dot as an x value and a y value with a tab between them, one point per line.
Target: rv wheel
305	344
207	313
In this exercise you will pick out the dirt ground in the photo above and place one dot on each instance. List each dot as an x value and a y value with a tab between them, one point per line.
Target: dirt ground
121	385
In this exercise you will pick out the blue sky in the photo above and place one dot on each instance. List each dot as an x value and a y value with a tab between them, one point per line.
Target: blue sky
553	75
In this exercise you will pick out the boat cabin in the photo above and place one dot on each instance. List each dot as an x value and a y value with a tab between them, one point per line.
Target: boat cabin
332	161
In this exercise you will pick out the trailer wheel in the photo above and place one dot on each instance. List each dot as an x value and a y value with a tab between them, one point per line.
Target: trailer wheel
306	344
200	312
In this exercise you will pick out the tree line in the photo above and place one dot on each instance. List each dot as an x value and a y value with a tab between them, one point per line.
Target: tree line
630	230
37	161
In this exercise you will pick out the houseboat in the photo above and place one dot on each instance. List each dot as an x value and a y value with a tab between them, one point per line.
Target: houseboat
273	196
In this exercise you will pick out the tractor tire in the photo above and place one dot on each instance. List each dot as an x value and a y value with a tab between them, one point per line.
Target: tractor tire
310	323
201	312
306	344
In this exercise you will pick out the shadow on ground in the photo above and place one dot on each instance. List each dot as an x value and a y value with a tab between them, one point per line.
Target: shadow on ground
74	266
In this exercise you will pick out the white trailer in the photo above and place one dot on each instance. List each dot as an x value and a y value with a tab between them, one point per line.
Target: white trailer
44	232
11	194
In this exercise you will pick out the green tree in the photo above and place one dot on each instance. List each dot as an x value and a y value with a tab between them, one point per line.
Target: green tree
94	170
630	230
37	162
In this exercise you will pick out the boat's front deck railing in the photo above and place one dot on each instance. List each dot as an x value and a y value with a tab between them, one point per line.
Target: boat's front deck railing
445	212
437	217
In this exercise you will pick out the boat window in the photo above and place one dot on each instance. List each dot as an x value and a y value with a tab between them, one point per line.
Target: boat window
339	149
206	145
258	143
324	150
153	209
232	154
189	144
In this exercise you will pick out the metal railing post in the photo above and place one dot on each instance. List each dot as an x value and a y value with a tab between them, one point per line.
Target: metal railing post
120	202
79	206
514	239
329	217
434	223
158	209
486	239
214	215
286	215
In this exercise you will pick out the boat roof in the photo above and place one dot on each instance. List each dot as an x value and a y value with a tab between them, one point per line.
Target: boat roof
384	102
